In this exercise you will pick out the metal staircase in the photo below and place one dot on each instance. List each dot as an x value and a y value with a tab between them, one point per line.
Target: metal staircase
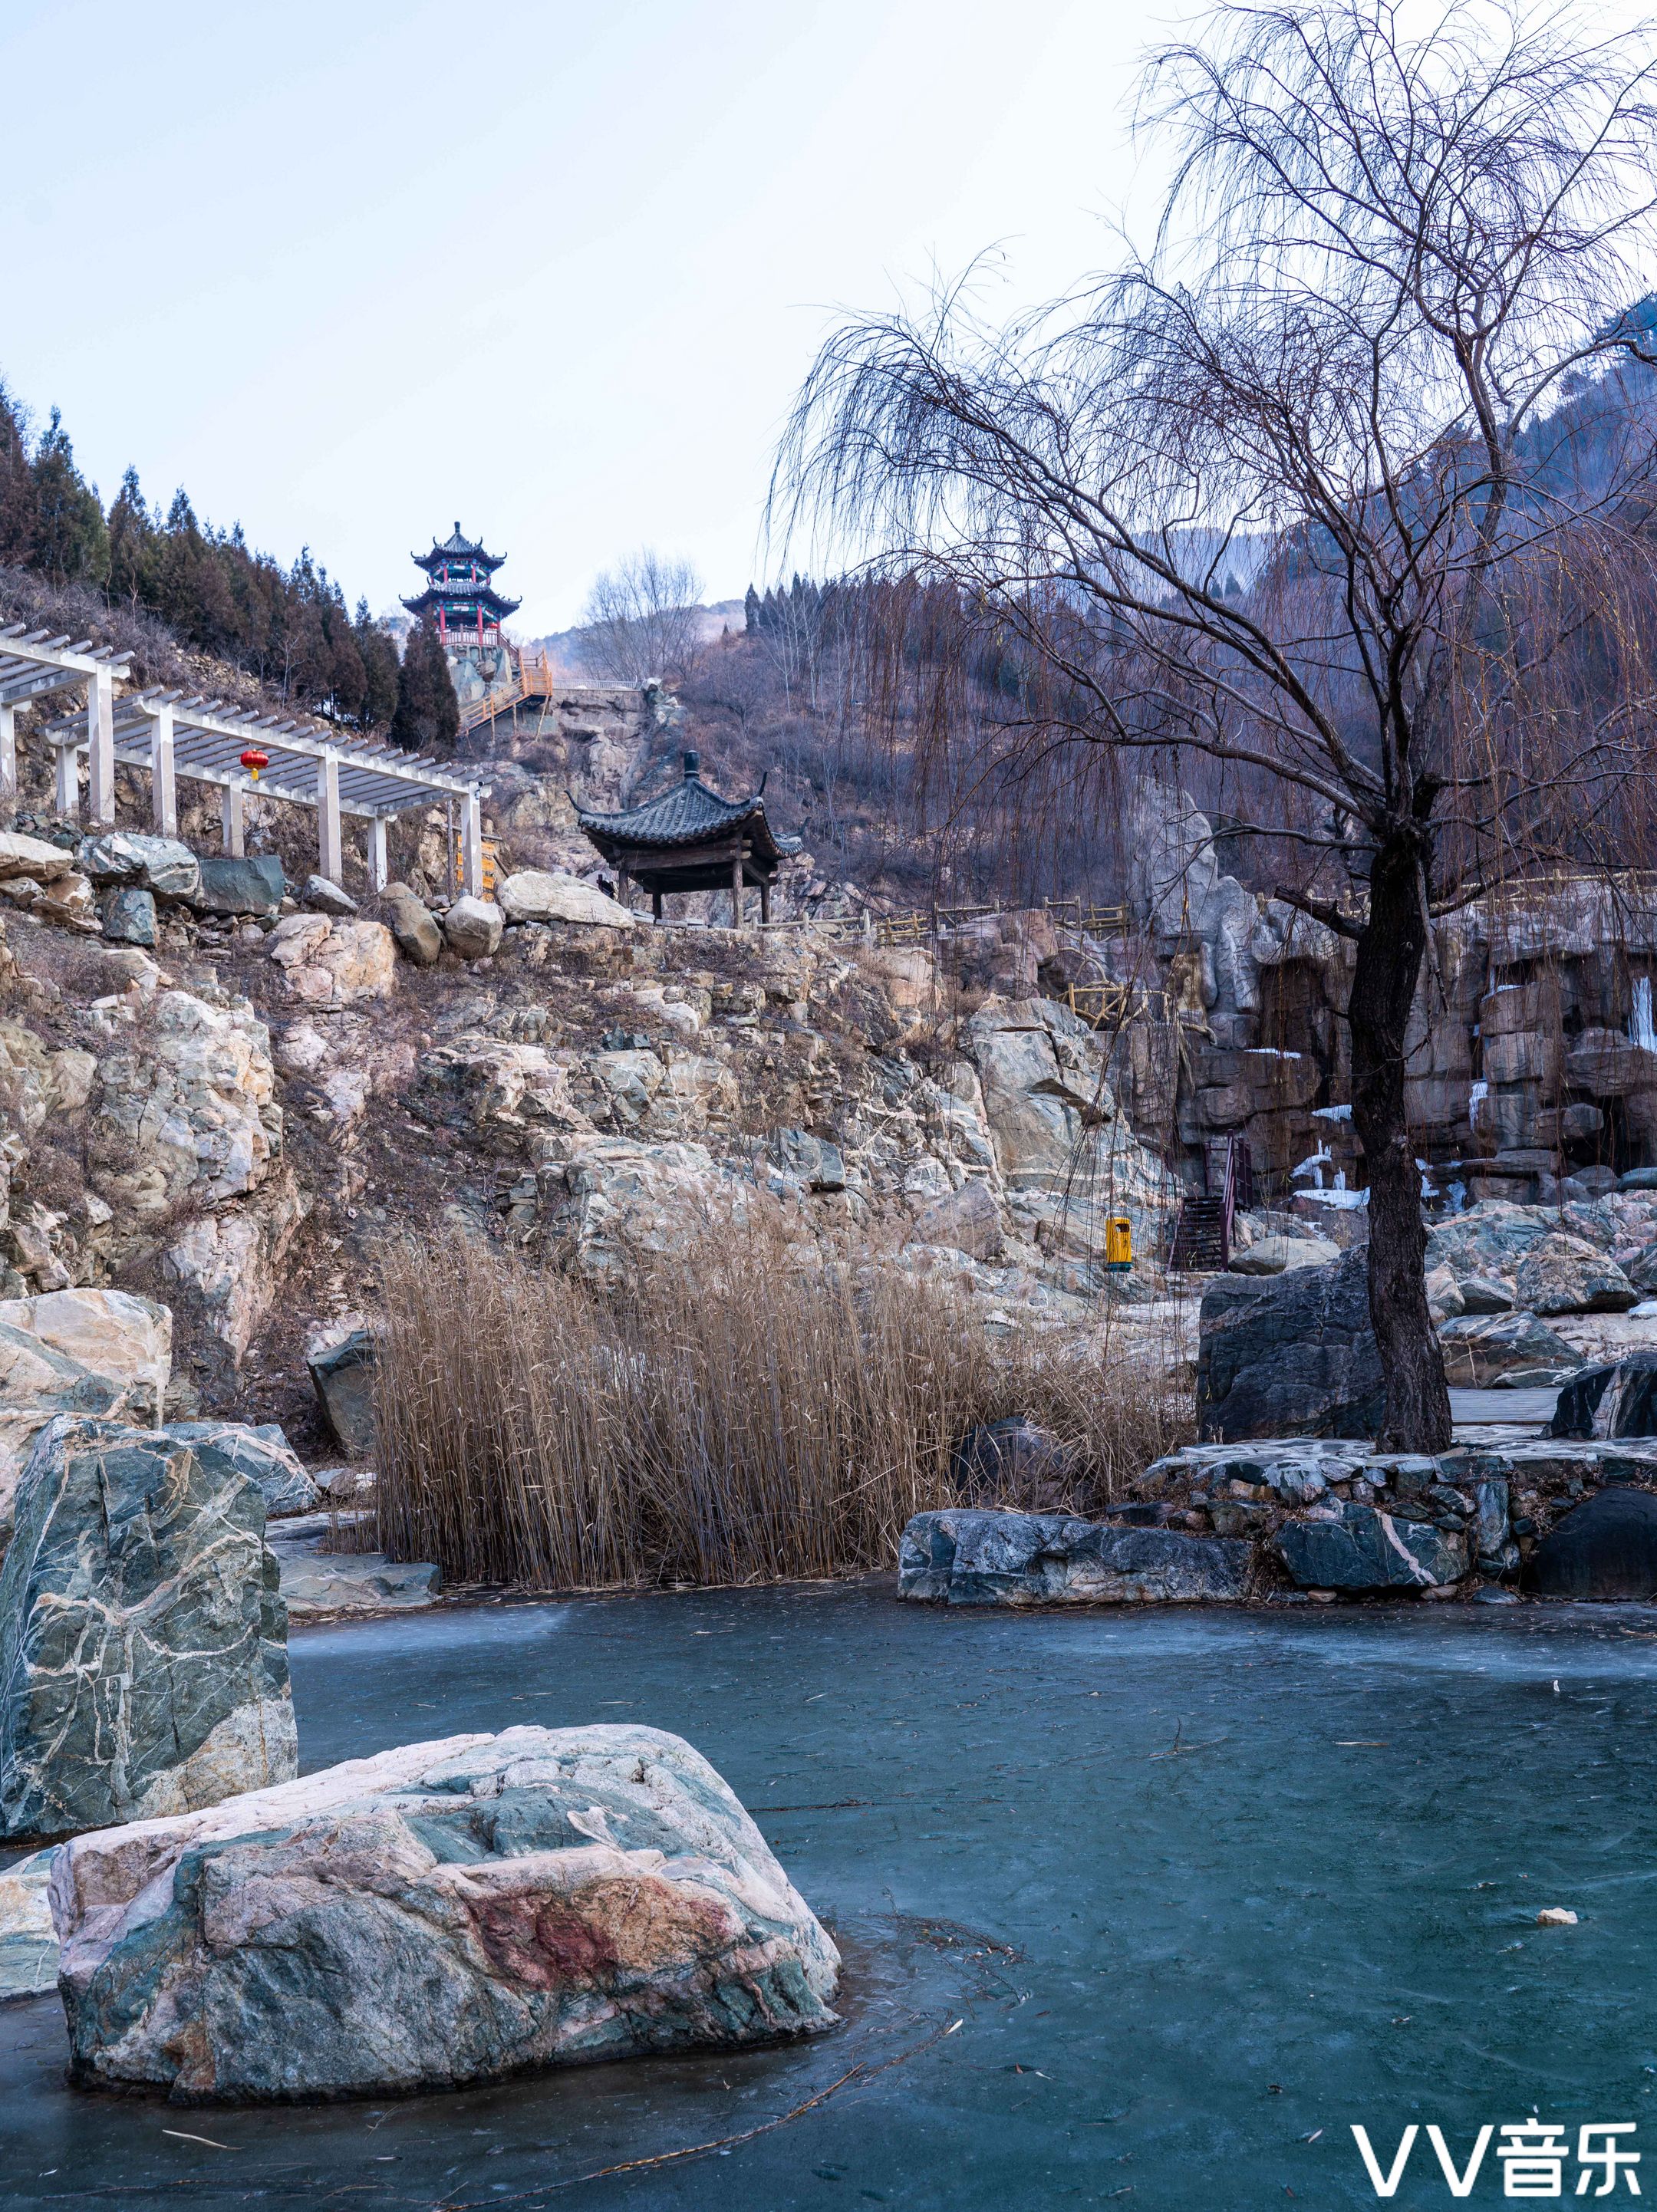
1202	1234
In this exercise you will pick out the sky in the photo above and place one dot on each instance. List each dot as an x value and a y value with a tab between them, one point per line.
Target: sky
349	273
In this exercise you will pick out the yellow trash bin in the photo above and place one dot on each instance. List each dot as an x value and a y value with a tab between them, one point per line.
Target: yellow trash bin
1119	1243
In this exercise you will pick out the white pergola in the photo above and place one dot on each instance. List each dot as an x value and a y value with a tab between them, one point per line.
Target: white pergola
36	665
170	735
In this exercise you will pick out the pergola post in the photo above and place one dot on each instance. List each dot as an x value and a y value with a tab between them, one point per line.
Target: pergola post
163	787
101	749
379	868
736	890
8	753
471	842
232	813
331	861
69	781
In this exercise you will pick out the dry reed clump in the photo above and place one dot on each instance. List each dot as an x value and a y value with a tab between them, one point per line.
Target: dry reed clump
729	1421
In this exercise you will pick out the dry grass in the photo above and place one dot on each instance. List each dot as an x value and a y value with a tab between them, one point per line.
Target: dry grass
745	1421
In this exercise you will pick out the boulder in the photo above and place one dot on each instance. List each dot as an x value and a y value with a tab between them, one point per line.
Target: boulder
319	1585
1357	1548
33	858
29	1942
413	925
1483	1349
1276	1255
329	963
143	1660
234	884
342	1375
964	1557
549	895
1561	1273
263	1455
82	1351
965	1220
447	1913
1604	1549
1616	1399
806	1161
1010	1460
473	927
159	865
325	897
1292	1353
1489	1239
128	917
187	1113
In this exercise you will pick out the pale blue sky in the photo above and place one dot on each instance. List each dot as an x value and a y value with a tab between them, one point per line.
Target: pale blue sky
350	271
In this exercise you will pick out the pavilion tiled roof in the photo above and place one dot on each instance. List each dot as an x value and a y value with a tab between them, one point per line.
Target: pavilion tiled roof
686	813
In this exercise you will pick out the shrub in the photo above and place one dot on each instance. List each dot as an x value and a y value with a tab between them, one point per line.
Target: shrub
743	1418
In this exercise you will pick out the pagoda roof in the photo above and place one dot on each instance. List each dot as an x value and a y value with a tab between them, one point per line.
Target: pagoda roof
456	547
459	591
688	812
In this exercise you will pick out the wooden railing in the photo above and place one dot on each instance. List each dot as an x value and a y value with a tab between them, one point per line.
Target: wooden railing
533	677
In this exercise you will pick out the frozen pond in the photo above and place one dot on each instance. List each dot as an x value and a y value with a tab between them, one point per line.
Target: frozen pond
1197	1885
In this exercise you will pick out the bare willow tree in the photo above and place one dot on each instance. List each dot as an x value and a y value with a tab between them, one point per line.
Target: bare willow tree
1379	363
641	618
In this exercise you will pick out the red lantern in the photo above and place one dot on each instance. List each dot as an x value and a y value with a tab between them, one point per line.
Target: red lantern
253	759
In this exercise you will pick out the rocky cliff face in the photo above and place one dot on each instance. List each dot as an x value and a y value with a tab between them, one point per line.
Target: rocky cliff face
234	1118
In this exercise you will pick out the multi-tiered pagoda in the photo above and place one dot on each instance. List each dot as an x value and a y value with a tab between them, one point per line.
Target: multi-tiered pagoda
460	601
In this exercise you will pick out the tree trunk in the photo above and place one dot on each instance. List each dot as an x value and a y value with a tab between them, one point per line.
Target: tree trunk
1389	955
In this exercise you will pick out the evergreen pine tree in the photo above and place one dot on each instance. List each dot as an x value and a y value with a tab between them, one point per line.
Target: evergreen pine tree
428	716
71	541
20	505
131	546
379	669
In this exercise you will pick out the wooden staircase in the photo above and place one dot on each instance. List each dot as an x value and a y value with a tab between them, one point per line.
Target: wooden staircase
531	678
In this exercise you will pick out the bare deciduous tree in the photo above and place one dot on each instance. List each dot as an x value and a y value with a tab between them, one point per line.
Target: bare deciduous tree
641	618
1383	330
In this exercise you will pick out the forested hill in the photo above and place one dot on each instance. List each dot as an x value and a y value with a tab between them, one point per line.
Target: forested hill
290	629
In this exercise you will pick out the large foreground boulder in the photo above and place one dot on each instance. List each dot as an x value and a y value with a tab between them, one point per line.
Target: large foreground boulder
144	1657
446	1913
1356	1547
1616	1399
1290	1354
964	1557
1606	1549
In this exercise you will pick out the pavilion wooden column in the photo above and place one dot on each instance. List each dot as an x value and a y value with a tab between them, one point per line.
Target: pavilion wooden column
379	869
330	851
163	787
471	847
623	889
101	747
655	906
231	814
8	753
736	890
764	901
